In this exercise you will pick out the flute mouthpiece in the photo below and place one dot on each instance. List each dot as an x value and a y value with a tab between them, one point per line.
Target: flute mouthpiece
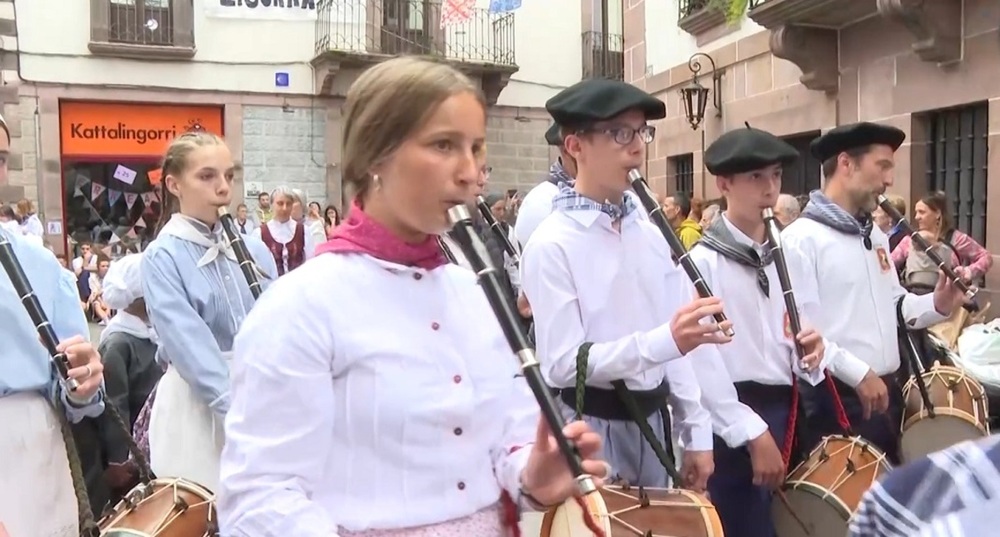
882	199
767	213
634	175
223	210
459	213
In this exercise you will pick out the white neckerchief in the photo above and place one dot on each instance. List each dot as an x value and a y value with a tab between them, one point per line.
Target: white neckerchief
127	323
180	226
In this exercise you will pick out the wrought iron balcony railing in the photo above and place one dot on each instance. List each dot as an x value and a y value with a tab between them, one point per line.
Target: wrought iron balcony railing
393	27
603	55
686	8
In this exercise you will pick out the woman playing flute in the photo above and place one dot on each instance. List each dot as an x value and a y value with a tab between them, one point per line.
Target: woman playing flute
397	410
197	299
36	489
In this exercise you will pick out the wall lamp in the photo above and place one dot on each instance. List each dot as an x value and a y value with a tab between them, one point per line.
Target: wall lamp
695	96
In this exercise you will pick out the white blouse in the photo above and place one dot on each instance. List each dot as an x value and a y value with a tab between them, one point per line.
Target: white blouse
587	281
370	395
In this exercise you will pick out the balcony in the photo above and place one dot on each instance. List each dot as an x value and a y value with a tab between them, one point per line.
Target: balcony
603	56
352	35
828	14
697	16
806	32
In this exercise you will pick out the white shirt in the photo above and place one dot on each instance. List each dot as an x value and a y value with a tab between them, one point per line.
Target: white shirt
761	351
857	292
537	206
587	282
249	226
78	264
400	410
283	232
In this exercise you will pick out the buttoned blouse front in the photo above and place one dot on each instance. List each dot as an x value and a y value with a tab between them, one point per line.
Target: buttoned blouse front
369	395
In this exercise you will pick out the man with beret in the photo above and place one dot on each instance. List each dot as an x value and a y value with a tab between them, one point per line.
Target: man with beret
849	265
537	204
752	448
615	318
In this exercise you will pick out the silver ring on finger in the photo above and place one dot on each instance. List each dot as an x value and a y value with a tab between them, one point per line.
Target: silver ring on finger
90	372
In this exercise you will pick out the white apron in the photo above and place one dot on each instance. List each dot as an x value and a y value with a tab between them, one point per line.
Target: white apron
36	488
185	436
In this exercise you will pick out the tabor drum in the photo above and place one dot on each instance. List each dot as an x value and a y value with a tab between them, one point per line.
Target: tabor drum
961	412
637	512
823	492
163	508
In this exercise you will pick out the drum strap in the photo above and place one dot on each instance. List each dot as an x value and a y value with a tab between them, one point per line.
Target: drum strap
88	526
632	407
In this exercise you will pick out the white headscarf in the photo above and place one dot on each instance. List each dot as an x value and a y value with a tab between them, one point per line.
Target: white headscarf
123	283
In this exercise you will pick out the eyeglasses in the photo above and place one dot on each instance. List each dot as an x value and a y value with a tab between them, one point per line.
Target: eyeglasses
625	135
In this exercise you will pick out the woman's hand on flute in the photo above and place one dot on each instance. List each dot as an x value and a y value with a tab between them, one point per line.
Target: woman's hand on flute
84	365
546	477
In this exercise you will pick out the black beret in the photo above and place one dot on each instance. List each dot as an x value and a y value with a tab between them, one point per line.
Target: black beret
553	136
746	150
600	99
847	137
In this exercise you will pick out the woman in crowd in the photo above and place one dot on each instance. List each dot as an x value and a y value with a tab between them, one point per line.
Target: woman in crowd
197	299
933	220
402	415
331	219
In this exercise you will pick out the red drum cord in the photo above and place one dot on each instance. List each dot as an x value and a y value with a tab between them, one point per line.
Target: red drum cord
588	517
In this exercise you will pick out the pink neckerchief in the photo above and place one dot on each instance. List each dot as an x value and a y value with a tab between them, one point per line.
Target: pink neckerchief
359	234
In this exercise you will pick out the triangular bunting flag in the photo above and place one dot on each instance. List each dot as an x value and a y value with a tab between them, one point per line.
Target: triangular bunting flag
114	239
77	193
96	190
82	179
148	197
107	249
503	6
114	196
140	223
130	198
131	234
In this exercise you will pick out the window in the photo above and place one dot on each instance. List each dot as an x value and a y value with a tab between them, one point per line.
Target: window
405	27
683	168
803	175
957	164
142	28
116	217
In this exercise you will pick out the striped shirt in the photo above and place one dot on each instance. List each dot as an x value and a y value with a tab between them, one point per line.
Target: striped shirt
953	493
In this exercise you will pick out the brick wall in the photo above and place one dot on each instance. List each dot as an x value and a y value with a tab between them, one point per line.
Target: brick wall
19	118
516	147
286	146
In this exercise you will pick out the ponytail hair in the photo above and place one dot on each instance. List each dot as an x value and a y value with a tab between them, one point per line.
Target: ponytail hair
175	163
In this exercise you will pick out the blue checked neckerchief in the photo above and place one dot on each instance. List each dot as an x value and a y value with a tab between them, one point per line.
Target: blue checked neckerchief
570	200
558	175
828	213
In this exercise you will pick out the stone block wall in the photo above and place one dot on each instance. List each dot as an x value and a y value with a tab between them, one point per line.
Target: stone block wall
516	147
284	145
19	117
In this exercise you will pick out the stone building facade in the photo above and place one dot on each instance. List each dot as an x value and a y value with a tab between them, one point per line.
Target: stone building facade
929	68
